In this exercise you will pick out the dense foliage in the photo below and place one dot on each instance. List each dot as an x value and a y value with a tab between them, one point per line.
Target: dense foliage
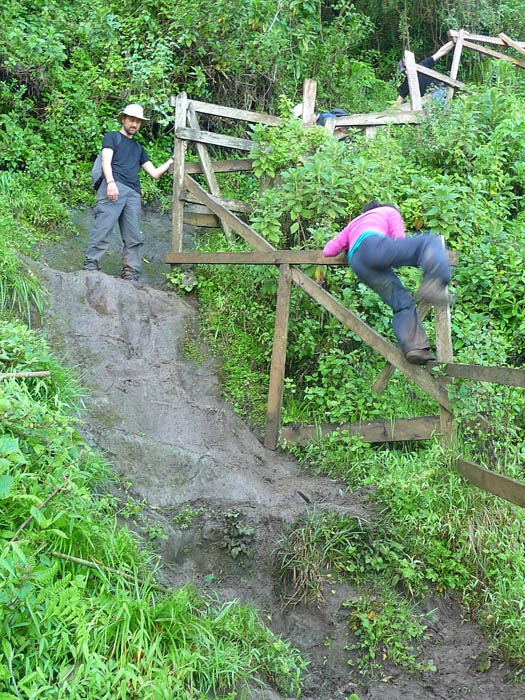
66	69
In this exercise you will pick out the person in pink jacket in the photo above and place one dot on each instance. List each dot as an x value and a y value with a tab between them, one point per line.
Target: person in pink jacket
376	243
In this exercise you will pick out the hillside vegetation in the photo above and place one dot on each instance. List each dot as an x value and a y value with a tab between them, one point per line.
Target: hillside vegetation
66	70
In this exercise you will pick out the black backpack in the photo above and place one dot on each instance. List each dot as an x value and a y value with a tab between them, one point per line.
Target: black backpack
96	171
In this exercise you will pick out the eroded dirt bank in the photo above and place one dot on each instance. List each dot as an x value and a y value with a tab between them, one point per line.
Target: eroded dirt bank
175	444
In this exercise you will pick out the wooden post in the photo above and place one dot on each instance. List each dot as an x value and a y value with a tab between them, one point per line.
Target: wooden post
207	165
444	354
455	62
330	124
413	82
309	95
280	338
179	148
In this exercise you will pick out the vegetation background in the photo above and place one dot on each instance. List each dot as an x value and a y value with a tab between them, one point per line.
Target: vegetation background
66	69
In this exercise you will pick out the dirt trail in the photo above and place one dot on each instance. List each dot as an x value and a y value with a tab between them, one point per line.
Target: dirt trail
176	445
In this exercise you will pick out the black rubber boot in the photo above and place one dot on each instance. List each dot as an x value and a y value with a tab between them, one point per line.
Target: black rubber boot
130	274
419	356
90	265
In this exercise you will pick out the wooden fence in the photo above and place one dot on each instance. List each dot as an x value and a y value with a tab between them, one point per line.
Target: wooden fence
213	206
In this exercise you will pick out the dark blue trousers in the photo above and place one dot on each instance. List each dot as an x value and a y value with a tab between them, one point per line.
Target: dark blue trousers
373	262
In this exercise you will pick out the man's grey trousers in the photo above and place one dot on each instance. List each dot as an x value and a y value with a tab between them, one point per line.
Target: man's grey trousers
126	211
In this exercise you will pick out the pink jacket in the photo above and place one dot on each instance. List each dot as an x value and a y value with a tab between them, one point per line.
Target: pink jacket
384	220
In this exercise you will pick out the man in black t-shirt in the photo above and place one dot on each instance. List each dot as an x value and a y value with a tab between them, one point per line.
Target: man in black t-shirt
118	195
424	80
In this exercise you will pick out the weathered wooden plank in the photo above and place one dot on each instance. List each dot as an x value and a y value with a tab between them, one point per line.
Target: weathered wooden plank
205	161
497	484
493	54
413	82
506	376
439	76
381	345
280	339
458	48
221	166
444	354
422	428
268	257
453	33
510	42
309	95
397	116
231	204
198	215
215	139
234	113
275	257
179	148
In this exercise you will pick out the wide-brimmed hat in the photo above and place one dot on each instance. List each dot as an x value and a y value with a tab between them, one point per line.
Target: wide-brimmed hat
133	111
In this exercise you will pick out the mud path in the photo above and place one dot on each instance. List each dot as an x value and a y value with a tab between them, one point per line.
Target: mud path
182	453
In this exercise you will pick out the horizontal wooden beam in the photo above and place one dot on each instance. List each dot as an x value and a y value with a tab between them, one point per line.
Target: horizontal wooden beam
453	34
201	220
446	79
422	428
234	113
231	112
274	257
220	166
268	257
201	136
506	376
493	54
231	204
379	118
492	482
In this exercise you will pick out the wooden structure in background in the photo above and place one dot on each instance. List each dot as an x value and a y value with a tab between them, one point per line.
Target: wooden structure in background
215	207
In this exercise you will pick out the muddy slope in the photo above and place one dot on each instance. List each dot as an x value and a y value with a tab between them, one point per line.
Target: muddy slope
158	416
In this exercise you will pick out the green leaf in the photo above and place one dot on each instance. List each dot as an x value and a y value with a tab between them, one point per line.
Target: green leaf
6	484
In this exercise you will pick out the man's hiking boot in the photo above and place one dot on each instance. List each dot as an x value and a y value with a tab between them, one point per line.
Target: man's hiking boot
90	265
130	274
419	356
433	291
